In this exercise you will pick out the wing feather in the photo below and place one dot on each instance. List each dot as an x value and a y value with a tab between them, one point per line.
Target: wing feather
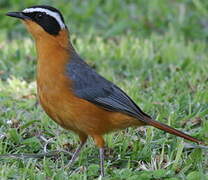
89	85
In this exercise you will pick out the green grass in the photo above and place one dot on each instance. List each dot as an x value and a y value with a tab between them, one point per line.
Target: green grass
155	50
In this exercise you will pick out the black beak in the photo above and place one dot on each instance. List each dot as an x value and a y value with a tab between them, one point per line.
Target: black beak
19	15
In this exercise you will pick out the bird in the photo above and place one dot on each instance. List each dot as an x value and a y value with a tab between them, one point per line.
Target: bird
72	93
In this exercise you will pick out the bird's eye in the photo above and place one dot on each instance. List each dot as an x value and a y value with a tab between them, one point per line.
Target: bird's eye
39	16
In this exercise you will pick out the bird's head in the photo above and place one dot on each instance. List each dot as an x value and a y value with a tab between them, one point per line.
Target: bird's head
42	21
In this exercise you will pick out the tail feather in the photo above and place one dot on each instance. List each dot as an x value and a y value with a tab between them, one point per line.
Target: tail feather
171	130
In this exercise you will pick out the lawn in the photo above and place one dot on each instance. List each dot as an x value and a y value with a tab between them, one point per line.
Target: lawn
156	51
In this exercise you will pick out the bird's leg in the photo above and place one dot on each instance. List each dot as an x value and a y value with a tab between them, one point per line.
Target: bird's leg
76	153
101	150
83	139
99	141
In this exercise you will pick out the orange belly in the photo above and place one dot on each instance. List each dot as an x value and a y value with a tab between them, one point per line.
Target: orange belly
80	115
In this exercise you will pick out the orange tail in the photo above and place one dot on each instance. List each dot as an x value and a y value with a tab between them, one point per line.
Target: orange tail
171	130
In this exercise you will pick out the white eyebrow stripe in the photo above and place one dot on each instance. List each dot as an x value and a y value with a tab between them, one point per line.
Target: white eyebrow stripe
48	12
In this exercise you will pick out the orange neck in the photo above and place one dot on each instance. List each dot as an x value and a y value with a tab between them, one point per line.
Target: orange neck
48	46
54	53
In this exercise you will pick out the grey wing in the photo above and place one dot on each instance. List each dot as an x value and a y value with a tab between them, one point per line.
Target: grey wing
89	85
